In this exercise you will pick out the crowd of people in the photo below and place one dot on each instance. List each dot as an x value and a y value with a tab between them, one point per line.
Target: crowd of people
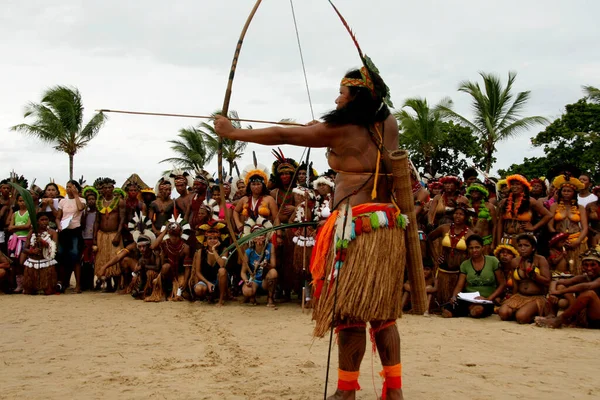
527	247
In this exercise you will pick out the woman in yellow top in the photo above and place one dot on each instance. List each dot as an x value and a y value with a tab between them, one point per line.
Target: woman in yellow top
570	217
515	213
531	278
453	251
257	202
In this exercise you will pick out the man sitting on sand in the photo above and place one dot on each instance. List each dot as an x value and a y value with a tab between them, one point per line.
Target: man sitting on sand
587	288
138	258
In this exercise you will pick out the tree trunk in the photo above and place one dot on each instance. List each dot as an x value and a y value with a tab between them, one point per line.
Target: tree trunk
71	166
230	168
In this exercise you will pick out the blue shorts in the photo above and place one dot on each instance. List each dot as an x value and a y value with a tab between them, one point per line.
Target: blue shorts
215	282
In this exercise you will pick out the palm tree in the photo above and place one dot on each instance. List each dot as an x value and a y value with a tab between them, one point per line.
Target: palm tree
232	149
497	116
192	150
58	120
420	128
592	93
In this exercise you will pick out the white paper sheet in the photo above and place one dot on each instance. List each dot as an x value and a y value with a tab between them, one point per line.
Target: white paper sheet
64	224
470	297
54	203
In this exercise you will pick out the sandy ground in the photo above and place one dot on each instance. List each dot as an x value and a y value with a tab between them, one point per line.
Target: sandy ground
95	346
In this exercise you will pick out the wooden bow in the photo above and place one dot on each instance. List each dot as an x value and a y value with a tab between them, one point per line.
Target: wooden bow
225	112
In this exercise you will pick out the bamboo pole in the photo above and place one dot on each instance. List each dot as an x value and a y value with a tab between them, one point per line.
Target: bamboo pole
414	260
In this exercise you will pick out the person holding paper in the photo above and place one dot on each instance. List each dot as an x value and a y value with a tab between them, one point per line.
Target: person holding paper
49	202
478	274
70	240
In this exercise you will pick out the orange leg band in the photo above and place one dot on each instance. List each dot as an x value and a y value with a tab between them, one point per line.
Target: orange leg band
393	378
348	380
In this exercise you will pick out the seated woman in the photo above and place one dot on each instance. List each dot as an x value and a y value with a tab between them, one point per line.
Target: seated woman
505	254
558	255
431	284
40	266
480	273
587	288
453	253
208	267
258	268
531	279
4	269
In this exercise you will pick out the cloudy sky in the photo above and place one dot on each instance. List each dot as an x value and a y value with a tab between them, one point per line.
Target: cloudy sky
175	57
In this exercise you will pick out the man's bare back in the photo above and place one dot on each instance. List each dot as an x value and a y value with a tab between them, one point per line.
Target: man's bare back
356	160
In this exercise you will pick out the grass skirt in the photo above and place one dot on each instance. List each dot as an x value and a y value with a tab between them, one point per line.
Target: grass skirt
369	283
573	254
39	275
447	281
516	301
106	251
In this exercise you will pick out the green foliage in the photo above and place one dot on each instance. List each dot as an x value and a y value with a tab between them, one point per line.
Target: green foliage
573	138
232	149
58	120
534	167
592	94
198	145
454	149
31	208
193	153
421	129
497	113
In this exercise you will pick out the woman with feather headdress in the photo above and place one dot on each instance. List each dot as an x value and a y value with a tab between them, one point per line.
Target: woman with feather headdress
365	284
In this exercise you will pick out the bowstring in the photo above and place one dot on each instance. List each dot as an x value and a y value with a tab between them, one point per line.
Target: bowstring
308	173
312	113
289	188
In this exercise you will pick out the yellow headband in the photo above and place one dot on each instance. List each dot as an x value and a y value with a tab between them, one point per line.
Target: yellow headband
365	82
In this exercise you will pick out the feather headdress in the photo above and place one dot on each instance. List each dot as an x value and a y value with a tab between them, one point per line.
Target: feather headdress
282	163
163	180
179	175
186	229
140	227
369	70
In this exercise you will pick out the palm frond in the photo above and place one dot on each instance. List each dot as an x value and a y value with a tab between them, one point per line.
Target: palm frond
521	125
592	93
91	129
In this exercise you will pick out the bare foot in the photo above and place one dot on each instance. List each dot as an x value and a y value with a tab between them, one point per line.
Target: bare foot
221	303
553	323
343	395
77	289
446	314
272	305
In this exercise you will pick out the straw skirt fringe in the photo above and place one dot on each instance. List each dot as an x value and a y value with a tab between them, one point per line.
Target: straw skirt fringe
369	284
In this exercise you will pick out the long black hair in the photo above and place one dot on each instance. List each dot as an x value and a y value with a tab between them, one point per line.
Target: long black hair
524	207
76	184
363	110
265	189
